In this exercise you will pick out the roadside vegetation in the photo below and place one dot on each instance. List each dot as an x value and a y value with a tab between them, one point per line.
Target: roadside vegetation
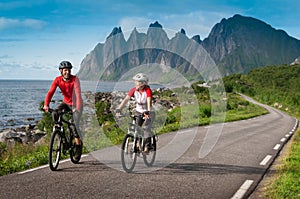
277	86
16	157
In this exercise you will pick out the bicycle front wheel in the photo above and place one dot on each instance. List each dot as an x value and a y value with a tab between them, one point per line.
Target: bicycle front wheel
75	152
128	153
149	158
54	150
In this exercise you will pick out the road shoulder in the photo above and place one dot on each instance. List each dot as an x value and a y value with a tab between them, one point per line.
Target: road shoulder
259	192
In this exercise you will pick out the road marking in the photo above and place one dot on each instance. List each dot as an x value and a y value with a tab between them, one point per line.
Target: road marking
265	160
276	147
242	190
291	132
34	169
283	139
181	132
287	135
44	166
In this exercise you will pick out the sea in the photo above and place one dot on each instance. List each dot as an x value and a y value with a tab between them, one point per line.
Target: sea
20	99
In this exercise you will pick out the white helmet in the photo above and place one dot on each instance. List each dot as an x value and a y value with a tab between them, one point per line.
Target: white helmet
141	77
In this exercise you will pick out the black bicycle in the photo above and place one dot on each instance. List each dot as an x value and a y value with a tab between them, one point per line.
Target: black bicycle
133	146
62	140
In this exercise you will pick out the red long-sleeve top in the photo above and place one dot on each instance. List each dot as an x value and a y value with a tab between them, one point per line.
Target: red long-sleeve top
70	90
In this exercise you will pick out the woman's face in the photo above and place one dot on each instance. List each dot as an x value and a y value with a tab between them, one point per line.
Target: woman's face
139	85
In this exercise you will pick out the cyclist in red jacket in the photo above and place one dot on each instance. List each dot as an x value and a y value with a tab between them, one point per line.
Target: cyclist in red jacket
70	88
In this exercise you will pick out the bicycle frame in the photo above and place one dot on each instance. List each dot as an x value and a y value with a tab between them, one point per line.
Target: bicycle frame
138	135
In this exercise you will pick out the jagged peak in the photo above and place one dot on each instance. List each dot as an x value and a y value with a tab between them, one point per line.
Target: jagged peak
134	32
155	25
197	38
116	30
182	31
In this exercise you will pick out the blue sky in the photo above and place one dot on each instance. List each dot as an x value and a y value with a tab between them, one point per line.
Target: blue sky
36	35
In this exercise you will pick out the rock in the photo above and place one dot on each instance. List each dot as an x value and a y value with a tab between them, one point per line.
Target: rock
24	135
29	119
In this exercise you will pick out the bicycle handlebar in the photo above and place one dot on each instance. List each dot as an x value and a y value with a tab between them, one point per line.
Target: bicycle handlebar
61	113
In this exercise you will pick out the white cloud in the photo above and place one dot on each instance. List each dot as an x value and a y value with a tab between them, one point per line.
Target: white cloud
8	23
26	71
195	23
10	5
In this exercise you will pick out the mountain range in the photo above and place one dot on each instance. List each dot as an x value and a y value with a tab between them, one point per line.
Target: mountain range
234	45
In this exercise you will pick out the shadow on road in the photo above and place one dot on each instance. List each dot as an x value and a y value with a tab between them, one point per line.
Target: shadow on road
178	168
205	168
86	166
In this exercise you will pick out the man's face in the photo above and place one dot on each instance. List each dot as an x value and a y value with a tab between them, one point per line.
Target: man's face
66	73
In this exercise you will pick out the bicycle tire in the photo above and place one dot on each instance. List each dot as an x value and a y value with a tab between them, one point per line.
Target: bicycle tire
128	153
54	150
72	152
150	157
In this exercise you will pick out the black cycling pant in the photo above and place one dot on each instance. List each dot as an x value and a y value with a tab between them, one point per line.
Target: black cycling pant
147	123
76	117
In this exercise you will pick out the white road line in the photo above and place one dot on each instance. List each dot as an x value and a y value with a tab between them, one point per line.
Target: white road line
291	132
181	132
282	139
287	135
276	147
34	169
265	160
242	190
44	166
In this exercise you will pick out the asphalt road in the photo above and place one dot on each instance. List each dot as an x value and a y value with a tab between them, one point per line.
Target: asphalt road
231	168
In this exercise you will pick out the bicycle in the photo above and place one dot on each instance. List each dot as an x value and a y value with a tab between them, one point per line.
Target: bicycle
133	146
62	140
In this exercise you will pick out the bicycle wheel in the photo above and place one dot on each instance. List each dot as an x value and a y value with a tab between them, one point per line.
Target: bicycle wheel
73	157
128	153
54	150
150	157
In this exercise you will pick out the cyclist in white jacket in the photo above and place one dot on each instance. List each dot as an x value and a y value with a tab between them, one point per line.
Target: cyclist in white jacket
142	94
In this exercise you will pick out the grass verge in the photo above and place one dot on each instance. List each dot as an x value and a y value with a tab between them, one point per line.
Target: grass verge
21	157
286	181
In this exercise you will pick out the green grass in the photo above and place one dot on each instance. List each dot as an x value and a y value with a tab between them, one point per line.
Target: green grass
270	85
21	157
286	182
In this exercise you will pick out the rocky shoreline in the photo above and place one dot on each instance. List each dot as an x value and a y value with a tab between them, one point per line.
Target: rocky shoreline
31	134
25	135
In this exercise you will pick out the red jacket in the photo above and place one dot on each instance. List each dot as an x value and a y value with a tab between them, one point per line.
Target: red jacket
70	89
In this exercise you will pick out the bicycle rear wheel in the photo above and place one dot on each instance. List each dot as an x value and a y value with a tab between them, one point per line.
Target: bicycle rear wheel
54	150
150	157
128	153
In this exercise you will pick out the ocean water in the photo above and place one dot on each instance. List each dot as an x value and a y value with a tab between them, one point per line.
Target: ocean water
20	99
